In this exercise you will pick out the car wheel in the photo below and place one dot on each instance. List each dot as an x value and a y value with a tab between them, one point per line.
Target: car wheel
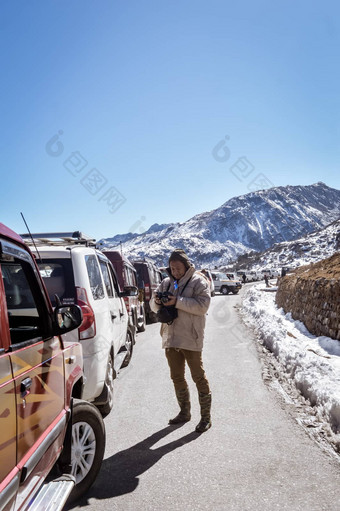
235	291
141	325
106	408
88	445
129	348
224	290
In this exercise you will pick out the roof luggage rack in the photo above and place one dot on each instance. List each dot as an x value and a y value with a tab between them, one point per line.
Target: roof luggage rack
59	238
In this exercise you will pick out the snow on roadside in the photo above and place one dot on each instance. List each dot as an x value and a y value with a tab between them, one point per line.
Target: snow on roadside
313	363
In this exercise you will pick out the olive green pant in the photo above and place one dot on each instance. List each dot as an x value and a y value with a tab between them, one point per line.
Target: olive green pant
176	359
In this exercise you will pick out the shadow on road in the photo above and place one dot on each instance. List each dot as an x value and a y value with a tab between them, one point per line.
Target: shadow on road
119	473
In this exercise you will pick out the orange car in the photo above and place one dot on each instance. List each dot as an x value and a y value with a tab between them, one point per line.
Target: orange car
42	418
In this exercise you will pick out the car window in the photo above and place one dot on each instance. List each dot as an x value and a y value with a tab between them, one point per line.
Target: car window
106	277
114	281
26	321
57	275
96	284
130	276
140	279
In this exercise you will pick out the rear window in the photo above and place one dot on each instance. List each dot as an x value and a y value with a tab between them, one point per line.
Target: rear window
147	274
140	276
57	275
130	276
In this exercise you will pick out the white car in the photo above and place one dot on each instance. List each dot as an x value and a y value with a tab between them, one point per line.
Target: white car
249	277
256	275
74	270
225	285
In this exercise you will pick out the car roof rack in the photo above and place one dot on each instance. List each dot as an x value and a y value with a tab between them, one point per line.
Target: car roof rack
59	238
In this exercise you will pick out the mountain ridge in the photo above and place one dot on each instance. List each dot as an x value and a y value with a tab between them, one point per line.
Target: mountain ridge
251	222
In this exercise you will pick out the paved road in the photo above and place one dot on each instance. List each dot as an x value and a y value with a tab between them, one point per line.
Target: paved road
255	456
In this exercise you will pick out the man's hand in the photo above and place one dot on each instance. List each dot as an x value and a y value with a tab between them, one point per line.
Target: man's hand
171	301
157	300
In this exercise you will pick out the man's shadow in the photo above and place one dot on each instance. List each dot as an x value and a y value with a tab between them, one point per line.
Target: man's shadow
119	473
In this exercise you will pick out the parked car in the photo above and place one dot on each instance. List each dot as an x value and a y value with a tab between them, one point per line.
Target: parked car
255	275
77	272
43	418
270	272
248	278
164	272
225	285
209	276
127	276
233	276
149	277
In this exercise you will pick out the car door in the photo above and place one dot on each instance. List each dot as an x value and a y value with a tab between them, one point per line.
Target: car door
116	305
9	473
37	383
124	316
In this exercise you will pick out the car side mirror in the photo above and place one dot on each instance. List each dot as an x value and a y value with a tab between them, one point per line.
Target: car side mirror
129	291
66	318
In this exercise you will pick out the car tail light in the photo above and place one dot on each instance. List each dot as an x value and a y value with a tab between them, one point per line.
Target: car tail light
147	292
127	303
88	327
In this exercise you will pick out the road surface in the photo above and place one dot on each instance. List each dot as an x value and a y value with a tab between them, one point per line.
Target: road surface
255	456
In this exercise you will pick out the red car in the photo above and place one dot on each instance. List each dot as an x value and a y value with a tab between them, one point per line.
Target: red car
42	416
127	278
149	277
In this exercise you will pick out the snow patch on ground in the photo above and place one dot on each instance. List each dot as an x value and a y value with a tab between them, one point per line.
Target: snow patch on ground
312	363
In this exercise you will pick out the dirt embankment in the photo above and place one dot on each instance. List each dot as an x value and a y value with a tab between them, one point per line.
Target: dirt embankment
312	295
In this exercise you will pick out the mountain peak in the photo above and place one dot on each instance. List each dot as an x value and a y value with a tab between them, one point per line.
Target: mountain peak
251	222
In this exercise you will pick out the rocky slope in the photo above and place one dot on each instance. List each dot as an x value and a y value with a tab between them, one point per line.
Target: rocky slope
311	248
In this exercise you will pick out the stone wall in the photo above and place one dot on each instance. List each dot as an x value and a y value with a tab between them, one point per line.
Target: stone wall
312	295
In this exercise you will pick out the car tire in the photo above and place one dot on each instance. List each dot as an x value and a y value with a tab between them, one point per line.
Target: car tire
106	408
224	290
141	325
129	342
88	446
235	291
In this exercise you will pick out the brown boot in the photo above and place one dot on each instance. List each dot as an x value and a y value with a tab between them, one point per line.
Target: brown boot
205	422
183	398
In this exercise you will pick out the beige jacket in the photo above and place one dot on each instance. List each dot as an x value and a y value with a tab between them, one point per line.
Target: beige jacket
187	330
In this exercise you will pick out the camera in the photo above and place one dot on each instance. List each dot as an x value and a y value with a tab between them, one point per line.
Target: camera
164	297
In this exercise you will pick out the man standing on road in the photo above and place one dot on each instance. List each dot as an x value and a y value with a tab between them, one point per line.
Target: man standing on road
183	337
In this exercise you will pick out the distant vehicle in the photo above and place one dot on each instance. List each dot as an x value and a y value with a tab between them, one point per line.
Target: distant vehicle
272	273
209	276
264	272
225	285
232	276
43	418
149	277
255	275
164	272
127	276
249	277
77	272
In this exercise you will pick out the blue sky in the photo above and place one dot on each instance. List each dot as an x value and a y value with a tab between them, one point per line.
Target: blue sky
120	114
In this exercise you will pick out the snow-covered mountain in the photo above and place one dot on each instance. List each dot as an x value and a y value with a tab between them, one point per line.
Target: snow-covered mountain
311	248
252	222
